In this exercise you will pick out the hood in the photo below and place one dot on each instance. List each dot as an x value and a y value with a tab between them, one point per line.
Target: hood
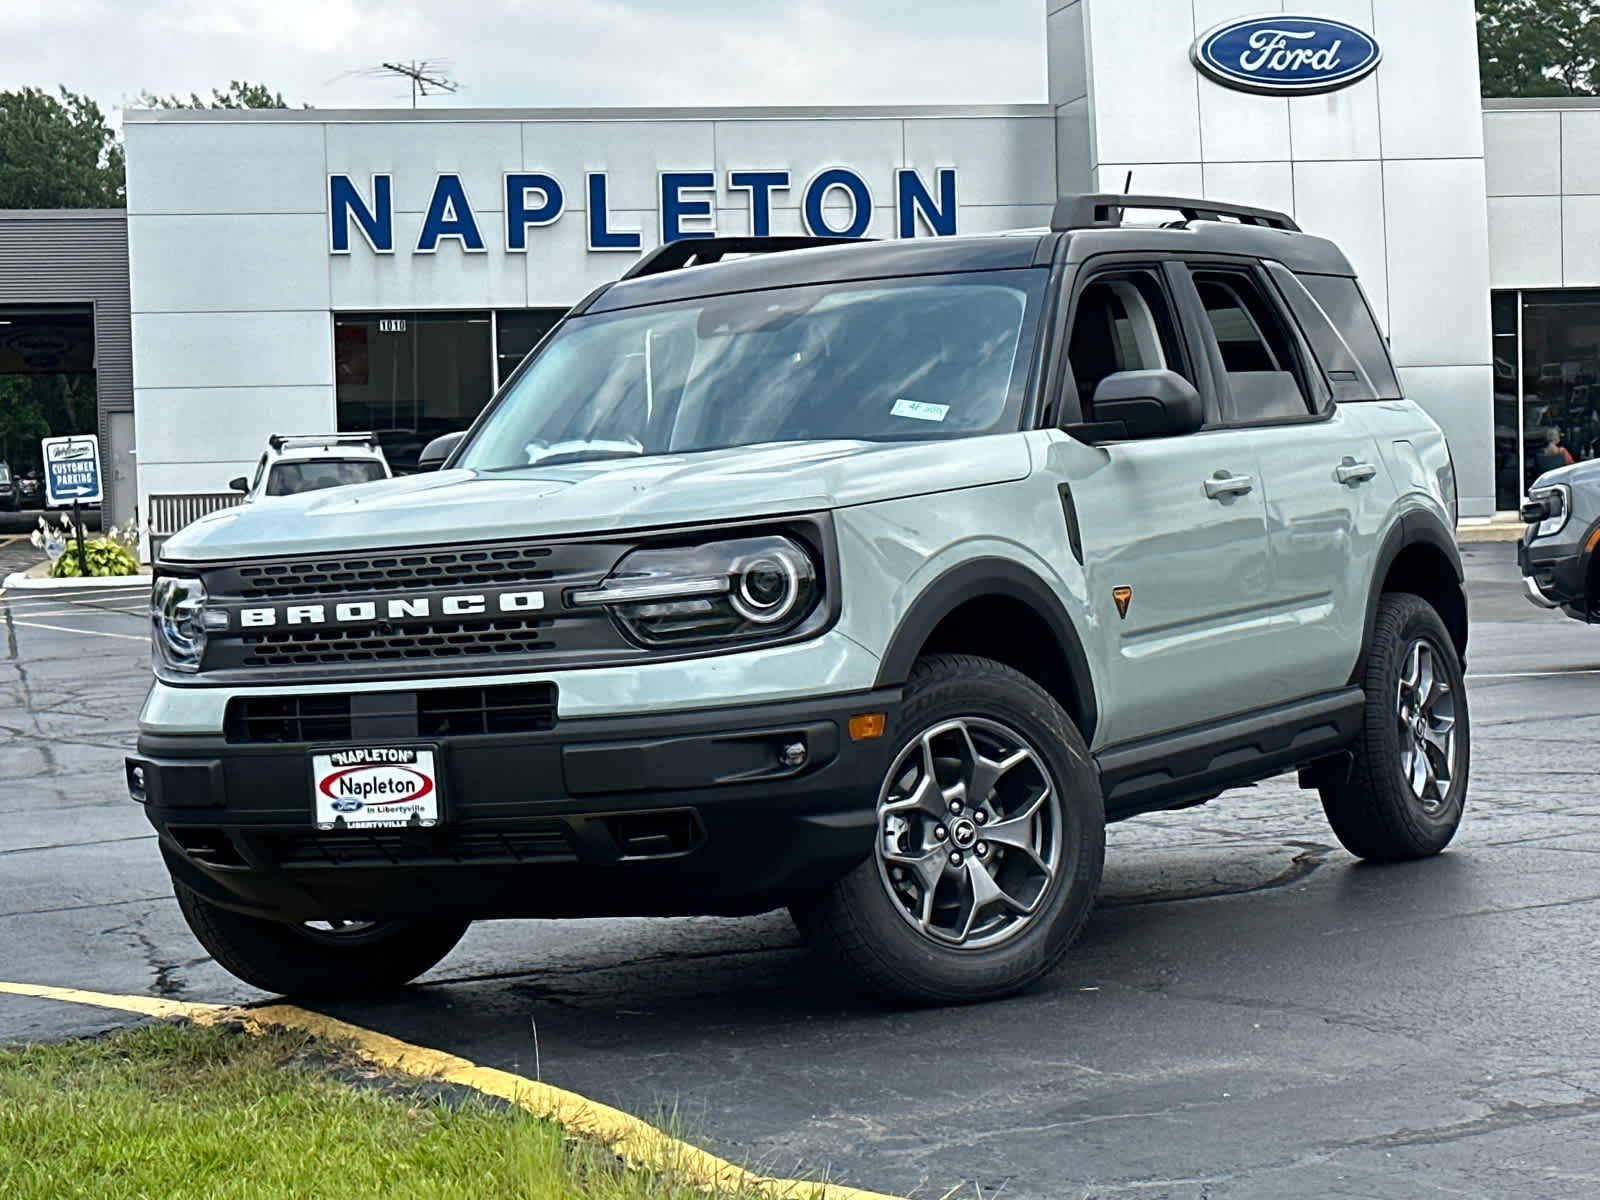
1587	472
597	498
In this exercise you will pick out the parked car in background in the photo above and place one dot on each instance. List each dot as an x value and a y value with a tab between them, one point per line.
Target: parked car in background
30	489
1556	553
8	490
309	462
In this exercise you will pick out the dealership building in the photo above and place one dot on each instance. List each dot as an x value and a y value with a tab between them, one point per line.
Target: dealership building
310	270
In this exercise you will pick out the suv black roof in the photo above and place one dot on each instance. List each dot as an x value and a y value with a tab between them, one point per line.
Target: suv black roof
1091	224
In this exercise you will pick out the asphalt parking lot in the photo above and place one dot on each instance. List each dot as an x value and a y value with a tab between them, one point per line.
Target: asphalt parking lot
1251	1013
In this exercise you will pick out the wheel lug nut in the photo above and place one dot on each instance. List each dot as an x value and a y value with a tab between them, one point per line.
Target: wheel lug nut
983	849
955	806
941	833
981	817
955	859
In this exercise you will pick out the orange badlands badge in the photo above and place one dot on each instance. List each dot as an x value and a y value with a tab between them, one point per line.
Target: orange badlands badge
1124	597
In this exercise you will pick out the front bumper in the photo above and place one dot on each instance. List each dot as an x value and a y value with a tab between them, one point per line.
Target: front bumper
1555	576
676	814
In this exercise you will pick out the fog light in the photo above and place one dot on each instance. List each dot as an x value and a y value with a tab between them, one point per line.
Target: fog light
136	784
793	755
867	726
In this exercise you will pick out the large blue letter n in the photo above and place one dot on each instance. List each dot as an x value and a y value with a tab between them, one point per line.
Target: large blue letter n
376	223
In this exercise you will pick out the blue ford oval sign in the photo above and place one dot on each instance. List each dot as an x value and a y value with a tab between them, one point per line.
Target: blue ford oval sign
1283	55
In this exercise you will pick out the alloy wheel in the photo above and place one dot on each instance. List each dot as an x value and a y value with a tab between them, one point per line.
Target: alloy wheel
969	833
1426	711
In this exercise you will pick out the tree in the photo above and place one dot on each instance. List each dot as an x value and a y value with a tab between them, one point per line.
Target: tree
22	421
1539	47
57	152
239	94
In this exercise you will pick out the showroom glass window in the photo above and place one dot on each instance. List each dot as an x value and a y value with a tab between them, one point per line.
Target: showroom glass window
1508	485
411	376
1547	392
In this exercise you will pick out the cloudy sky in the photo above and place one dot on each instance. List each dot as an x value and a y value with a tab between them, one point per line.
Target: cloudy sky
537	53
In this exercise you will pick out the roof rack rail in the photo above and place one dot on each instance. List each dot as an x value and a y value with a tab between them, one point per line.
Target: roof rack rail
280	441
1104	211
696	252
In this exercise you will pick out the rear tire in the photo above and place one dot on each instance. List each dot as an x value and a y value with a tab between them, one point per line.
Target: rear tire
1404	794
346	959
989	846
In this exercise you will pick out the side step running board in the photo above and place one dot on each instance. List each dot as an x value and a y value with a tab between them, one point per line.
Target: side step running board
1177	769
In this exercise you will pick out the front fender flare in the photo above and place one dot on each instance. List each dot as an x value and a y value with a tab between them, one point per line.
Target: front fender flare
973	580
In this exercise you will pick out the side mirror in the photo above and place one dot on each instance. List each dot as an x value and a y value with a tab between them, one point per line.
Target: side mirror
436	451
240	484
1142	404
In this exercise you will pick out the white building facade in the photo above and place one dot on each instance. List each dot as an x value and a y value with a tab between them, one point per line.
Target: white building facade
311	270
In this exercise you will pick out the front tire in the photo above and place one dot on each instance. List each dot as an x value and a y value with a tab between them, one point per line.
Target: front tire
989	846
326	960
1403	796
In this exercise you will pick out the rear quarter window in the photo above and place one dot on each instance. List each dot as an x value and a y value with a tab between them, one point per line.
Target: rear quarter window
1341	299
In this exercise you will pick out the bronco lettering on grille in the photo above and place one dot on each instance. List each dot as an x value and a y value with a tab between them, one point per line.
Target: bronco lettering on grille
399	609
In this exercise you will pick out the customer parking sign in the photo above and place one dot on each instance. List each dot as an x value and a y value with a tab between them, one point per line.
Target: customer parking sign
72	470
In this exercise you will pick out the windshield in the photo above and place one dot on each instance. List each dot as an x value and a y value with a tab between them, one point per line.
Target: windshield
292	478
908	359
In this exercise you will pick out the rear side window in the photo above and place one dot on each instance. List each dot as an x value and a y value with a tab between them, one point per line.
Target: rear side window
1340	298
1339	363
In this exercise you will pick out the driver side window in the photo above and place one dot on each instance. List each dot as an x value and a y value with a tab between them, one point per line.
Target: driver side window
1122	322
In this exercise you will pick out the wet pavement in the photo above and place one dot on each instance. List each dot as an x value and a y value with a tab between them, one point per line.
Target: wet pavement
1250	1013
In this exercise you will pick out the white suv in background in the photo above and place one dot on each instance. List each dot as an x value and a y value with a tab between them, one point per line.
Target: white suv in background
309	462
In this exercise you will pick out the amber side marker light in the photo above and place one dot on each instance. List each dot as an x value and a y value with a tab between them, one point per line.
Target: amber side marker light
1594	538
866	727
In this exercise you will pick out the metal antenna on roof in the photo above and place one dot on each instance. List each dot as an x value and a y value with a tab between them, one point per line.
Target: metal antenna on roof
423	75
1127	187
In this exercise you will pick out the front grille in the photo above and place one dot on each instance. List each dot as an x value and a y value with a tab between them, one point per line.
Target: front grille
441	712
395	846
406	627
445	639
395	572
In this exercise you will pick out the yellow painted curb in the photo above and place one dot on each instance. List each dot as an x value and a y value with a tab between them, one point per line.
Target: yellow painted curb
636	1142
145	1006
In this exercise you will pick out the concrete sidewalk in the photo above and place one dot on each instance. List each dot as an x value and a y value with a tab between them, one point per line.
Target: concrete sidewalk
1502	528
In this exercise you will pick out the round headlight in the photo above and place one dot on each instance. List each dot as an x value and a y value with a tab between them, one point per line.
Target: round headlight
741	589
177	612
767	587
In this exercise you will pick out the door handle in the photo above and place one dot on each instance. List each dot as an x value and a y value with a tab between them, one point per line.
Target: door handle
1352	472
1222	485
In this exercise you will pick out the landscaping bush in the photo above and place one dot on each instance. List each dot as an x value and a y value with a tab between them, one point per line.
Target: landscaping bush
105	556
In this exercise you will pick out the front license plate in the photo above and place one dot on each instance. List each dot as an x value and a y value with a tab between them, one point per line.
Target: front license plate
375	787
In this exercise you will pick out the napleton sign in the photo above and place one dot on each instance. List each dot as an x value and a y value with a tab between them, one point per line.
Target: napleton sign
835	202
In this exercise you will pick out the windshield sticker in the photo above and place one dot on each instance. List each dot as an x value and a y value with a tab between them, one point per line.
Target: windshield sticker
918	411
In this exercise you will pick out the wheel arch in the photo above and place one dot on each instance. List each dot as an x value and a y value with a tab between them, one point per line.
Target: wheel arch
997	609
1419	556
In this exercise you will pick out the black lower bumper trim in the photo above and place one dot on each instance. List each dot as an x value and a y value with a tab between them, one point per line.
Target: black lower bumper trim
1562	580
727	811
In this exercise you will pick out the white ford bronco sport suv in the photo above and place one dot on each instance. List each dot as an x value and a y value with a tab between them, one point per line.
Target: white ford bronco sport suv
869	579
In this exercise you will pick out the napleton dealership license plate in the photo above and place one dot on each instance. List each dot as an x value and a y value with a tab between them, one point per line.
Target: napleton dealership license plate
375	787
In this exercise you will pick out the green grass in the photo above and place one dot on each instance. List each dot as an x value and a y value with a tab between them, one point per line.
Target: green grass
200	1113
